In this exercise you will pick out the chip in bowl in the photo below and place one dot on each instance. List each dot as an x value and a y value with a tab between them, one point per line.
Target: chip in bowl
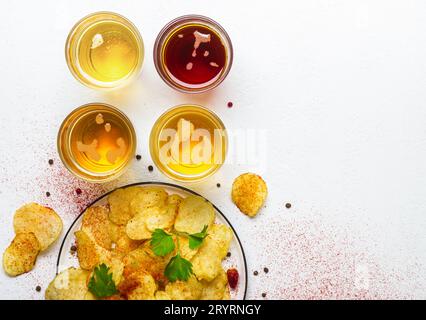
193	214
70	284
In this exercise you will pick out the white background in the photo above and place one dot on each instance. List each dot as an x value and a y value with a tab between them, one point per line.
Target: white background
339	87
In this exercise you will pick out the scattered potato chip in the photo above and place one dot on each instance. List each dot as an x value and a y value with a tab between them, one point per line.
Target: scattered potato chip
206	264
249	192
87	252
193	214
149	197
184	290
138	286
97	225
42	221
70	284
136	228
215	289
222	235
119	202
21	254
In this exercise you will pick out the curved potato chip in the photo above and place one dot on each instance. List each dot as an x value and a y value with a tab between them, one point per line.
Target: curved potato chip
184	290
174	199
70	284
90	255
21	254
161	218
249	192
136	227
87	252
97	225
119	202
138	286
222	235
215	289
193	214
147	198
42	221
206	264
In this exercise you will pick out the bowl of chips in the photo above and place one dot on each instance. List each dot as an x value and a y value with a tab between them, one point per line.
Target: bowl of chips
150	241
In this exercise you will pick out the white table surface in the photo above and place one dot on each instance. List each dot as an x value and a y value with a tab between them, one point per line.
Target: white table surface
336	92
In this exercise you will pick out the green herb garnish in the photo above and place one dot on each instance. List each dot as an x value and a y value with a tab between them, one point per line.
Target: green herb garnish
162	244
196	239
101	283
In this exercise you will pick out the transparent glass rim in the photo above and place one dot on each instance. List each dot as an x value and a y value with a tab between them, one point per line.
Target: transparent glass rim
107	86
84	174
179	22
153	145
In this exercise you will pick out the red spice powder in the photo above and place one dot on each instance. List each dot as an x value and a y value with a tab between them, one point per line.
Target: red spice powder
311	261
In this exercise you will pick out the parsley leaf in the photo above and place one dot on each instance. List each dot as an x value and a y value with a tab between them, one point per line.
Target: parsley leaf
162	243
101	283
178	268
196	239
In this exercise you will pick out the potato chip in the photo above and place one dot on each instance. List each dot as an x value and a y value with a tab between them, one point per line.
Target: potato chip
174	199
185	251
21	254
124	245
136	228
226	294
215	289
70	284
249	192
144	259
115	263
206	264
184	290
138	286
90	255
161	218
97	225
116	231
162	295
42	221
222	235
147	198
119	202
193	214
87	251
